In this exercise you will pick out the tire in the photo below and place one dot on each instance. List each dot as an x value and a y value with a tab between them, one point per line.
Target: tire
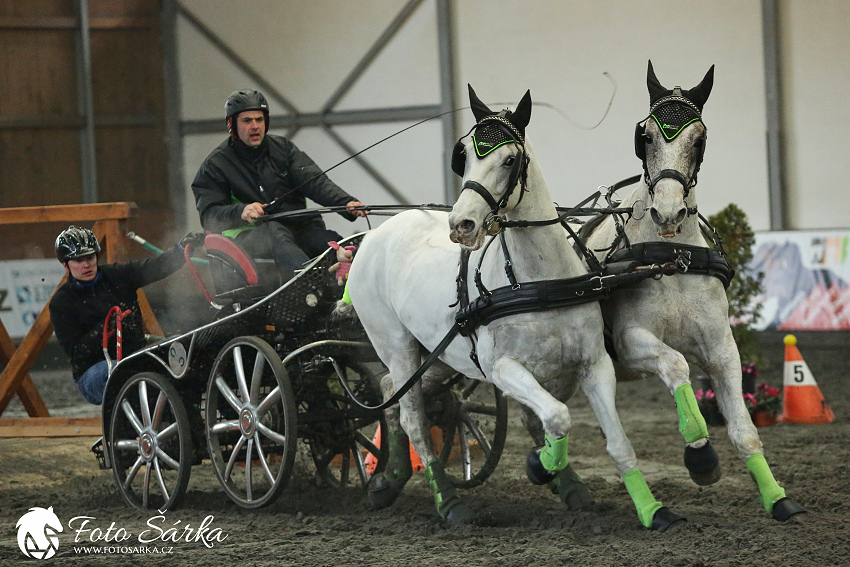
150	444
250	422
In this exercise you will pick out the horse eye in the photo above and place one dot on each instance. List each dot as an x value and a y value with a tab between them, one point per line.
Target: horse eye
647	138
699	142
510	161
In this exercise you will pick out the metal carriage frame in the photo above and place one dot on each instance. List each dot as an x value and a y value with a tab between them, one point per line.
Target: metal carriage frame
240	390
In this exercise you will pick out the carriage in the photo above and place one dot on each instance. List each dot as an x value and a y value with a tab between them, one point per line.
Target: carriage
274	366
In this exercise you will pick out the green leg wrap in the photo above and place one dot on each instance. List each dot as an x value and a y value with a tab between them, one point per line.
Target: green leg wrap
769	489
645	502
345	297
399	467
554	456
445	495
691	423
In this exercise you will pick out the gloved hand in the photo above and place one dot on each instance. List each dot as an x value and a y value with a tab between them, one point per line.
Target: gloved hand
193	239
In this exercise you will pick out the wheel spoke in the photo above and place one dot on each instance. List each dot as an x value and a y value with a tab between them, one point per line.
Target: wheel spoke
131	416
146	485
240	374
161	480
224	427
228	394
476	432
271	434
228	470
267	403
131	474
167	459
167	433
257	376
266	470
478	407
361	465
366	443
159	409
143	402
465	456
249	481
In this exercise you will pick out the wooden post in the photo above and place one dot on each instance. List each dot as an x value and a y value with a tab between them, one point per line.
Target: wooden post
109	226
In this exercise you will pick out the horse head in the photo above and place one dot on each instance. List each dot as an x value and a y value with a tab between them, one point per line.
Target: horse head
671	143
496	177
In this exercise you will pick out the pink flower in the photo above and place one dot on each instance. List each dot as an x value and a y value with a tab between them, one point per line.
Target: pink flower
751	399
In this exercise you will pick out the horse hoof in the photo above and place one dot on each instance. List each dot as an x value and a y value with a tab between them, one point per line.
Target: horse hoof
381	491
535	470
571	490
784	509
460	514
703	464
666	519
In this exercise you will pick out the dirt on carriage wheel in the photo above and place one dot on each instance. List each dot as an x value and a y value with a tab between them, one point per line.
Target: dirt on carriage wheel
518	523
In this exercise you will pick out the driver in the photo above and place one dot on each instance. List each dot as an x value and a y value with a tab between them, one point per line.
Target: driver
252	168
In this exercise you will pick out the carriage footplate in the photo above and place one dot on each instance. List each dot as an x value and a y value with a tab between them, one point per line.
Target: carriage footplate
99	454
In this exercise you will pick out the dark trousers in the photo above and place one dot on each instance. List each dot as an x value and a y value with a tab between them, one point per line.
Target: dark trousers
291	246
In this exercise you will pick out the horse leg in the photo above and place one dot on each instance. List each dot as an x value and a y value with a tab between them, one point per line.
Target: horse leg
599	385
723	367
644	352
567	484
384	487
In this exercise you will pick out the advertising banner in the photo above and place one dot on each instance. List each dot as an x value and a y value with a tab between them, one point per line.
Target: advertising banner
25	288
805	280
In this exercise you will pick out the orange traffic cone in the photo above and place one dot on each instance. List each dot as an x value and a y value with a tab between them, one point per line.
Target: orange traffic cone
371	462
802	400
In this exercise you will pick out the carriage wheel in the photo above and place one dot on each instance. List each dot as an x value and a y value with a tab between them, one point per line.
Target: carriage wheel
474	424
348	451
150	443
250	422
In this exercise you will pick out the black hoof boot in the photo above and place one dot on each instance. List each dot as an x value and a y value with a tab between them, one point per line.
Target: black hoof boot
571	490
784	509
703	464
449	505
381	491
459	513
666	519
535	470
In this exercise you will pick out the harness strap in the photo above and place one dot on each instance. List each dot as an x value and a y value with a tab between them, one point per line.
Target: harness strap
701	260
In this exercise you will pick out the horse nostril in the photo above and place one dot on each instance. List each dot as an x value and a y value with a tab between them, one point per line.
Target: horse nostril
681	215
656	218
467	226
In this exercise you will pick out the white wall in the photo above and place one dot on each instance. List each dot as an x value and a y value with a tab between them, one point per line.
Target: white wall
558	50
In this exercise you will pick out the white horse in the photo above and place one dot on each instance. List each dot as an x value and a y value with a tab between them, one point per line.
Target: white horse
403	283
658	326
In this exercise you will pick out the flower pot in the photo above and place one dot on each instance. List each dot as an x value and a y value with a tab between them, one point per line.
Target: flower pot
762	419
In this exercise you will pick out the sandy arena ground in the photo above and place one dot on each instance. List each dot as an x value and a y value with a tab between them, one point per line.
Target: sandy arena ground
520	524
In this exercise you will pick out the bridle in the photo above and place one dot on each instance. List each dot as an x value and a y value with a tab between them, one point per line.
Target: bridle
679	109
499	131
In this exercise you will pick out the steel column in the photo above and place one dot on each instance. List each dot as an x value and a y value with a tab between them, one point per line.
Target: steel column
776	192
445	43
85	105
173	111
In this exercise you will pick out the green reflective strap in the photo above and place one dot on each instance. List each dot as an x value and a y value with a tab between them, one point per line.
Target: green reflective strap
691	422
645	502
769	489
444	492
399	466
554	456
345	297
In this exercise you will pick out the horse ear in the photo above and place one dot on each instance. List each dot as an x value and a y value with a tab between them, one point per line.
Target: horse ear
521	116
479	109
699	94
656	89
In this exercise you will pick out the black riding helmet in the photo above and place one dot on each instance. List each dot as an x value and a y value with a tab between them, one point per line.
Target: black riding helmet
76	242
246	99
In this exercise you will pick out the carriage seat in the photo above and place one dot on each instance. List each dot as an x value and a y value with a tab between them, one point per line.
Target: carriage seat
235	275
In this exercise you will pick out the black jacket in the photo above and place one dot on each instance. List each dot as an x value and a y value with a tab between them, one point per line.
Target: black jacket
235	175
78	309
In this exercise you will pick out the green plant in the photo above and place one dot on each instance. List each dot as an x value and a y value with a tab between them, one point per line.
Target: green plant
738	240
